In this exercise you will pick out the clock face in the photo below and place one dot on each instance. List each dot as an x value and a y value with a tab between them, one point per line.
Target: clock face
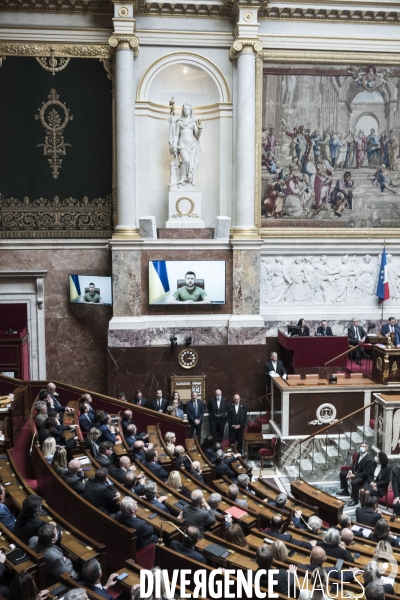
187	358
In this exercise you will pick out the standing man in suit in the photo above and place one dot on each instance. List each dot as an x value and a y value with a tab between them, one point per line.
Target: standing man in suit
324	330
159	404
139	400
195	415
237	418
357	334
357	475
217	408
274	365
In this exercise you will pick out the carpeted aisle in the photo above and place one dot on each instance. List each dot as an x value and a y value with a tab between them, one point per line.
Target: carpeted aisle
21	456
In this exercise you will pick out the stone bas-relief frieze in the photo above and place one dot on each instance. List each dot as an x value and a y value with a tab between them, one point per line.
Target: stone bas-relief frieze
321	280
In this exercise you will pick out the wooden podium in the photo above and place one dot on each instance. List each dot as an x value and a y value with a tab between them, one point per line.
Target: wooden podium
386	363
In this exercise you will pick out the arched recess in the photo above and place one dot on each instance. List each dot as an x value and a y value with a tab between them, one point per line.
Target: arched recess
183	58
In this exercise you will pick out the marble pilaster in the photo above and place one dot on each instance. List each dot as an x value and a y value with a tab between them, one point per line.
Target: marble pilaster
127	282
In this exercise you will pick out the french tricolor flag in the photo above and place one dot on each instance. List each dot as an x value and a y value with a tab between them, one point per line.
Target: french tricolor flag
382	290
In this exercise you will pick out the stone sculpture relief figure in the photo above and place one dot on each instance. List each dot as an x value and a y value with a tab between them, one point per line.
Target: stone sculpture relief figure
366	282
288	86
279	282
184	143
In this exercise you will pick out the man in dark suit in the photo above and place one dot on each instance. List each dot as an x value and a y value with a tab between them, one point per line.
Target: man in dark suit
105	456
89	400
85	422
159	404
357	475
150	492
53	400
100	493
51	428
237	419
357	334
74	476
91	578
181	458
6	517
317	559
264	560
139	400
120	473
195	469
187	548
274	365
324	330
217	408
152	464
139	452
127	516
126	419
195	415
198	512
370	514
276	531
108	431
390	326
331	545
222	468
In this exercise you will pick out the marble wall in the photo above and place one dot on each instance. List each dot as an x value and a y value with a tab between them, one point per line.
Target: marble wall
127	283
76	335
246	282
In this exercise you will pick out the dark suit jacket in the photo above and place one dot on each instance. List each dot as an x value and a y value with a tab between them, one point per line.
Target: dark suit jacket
140	456
101	496
145	532
396	481
351	333
183	460
304	333
74	481
282	586
280	369
104	461
190	411
239	418
130	440
57	405
198	476
394	542
211	455
194	515
320	331
157	470
222	469
57	434
336	552
85	422
386	329
125	423
382	479
106	435
362	468
213	409
158	504
24	531
366	516
119	474
287	537
190	552
143	402
99	591
164	404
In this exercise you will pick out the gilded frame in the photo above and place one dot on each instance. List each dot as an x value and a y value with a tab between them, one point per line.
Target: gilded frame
105	54
311	57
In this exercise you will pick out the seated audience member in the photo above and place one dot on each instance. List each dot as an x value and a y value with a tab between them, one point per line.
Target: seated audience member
208	448
91	441
396	489
233	492
303	329
23	587
48	448
318	558
74	476
319	579
139	400
107	430
28	522
276	531
235	535
127	516
53	399
98	415
89	401
279	551
198	512
280	501
6	517
222	468
132	436
50	429
139	452
59	462
370	514
154	466
55	563
357	474
195	470
243	481
85	422
150	494
182	458
214	501
170	439
188	546
171	411
314	525
41	413
347	537
324	329
101	493
135	483
378	478
121	396
174	481
331	545
91	578
382	533
264	561
344	521
374	591
106	455
177	404
76	594
121	472
372	574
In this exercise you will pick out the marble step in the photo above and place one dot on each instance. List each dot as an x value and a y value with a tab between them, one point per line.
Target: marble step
331	452
368	433
356	438
319	458
292	472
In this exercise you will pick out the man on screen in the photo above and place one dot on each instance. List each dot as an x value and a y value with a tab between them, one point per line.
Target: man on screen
92	296
189	293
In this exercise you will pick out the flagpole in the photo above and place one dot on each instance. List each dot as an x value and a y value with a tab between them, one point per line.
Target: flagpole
384	248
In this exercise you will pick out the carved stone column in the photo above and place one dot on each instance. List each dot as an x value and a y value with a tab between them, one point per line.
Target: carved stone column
126	47
245	50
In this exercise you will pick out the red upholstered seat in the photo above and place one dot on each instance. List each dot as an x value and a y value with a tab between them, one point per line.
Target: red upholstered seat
254	428
265	452
146	556
268	452
372	423
347	467
264	420
387	498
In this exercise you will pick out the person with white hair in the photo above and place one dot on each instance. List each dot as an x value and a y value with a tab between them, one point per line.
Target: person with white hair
314	525
198	512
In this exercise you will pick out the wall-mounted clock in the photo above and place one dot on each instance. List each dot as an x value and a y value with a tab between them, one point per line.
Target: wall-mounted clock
188	358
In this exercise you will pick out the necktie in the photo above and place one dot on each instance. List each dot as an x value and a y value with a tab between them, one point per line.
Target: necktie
357	333
195	408
325	332
159	404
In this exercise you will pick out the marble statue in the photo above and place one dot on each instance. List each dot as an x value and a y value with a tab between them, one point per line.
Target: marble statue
184	144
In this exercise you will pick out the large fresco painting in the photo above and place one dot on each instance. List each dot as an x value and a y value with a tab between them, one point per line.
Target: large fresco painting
330	146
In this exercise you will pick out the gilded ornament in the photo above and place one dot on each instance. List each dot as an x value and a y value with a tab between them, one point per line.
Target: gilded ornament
61	50
54	121
248	16
1	60
394	368
379	363
180	212
52	64
123	12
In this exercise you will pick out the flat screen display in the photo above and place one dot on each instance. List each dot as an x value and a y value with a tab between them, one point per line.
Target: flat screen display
90	289
194	282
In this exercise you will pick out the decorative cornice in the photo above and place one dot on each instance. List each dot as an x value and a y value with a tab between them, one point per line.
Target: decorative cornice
244	45
287	13
124	41
100	51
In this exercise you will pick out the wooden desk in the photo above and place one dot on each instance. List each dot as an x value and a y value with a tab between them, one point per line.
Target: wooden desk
263	489
330	508
310	351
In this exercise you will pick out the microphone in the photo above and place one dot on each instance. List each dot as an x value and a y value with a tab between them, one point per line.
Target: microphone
160	540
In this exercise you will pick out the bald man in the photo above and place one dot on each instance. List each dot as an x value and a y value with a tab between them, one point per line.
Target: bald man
74	476
124	467
237	419
217	408
318	558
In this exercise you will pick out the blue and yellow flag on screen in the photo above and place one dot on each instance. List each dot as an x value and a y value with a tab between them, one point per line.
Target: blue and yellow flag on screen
74	288
158	281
